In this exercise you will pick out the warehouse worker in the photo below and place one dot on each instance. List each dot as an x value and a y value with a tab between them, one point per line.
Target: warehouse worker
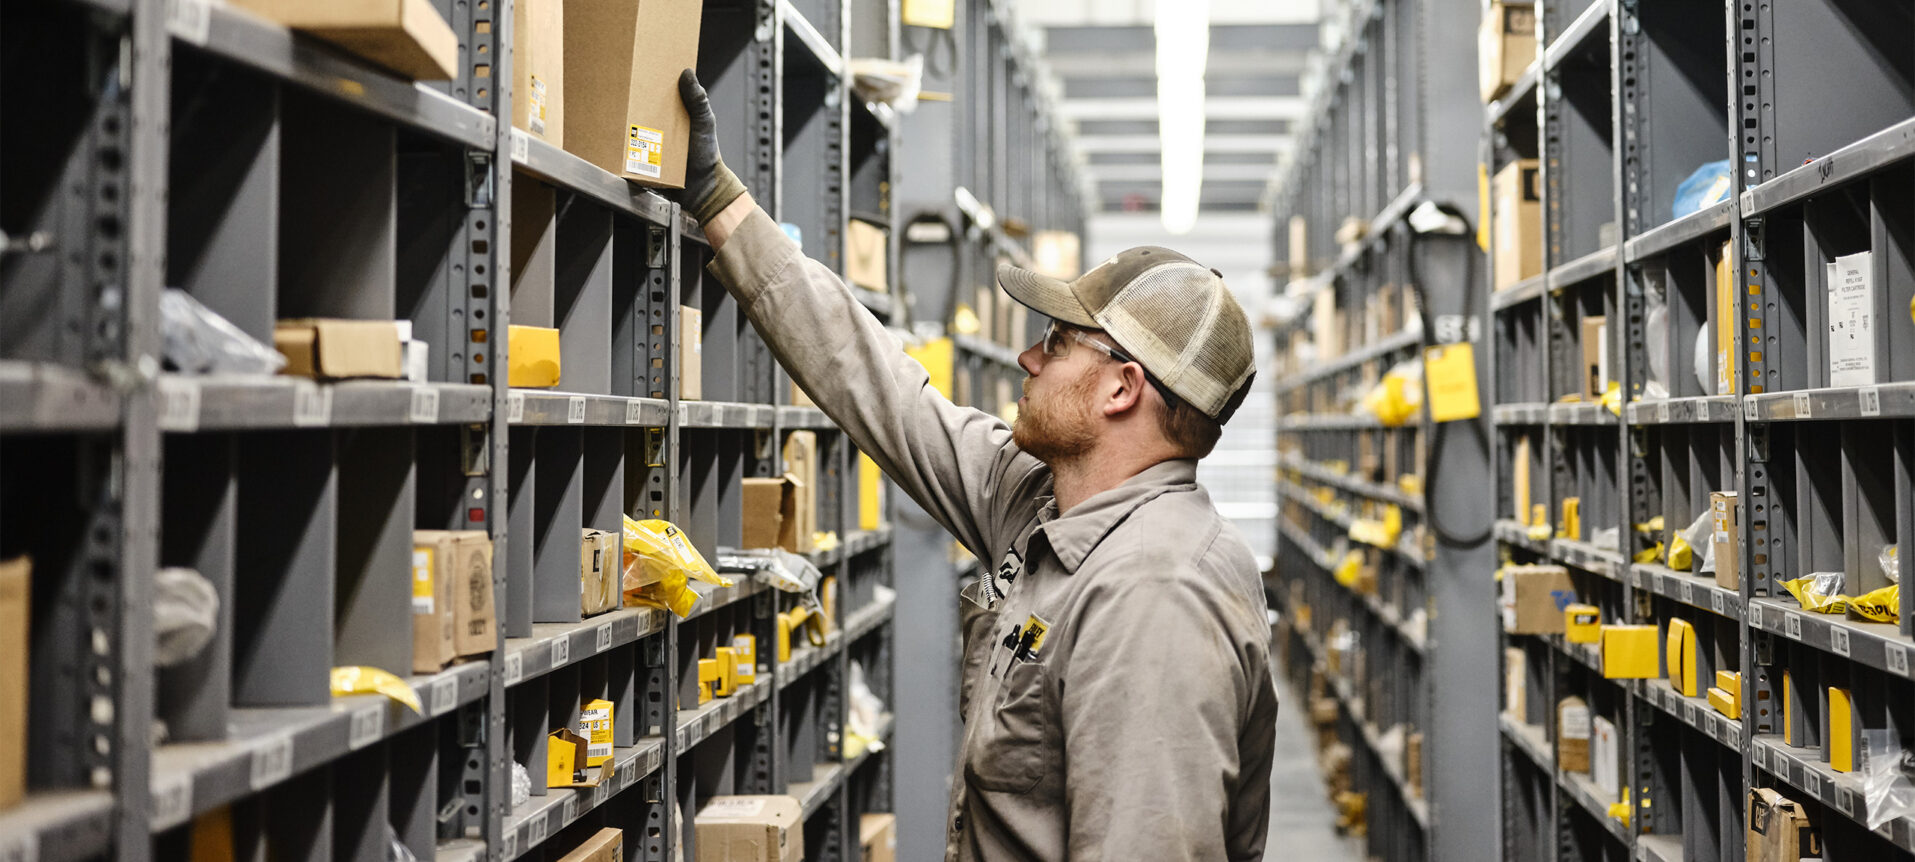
1117	697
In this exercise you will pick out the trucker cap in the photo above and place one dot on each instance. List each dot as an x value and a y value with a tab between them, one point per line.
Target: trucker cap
1170	313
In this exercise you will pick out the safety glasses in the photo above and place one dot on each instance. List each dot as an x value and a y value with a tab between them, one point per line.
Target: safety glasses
1057	345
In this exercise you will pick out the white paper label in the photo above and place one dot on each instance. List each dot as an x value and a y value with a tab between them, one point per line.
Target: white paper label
628	773
272	762
1839	640
732	808
1688	593
599	792
521	146
511	844
634	412
1869	400
514	668
1751	409
571	807
172	800
515	407
604	637
179	404
445	695
1851	321
644	151
535	831
1792	626
1845	802
425	405
1662	412
368	725
561	651
1804	408
190	20
1715	601
1896	657
312	404
24	847
575	410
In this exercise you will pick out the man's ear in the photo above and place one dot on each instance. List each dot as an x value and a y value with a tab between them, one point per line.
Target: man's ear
1128	390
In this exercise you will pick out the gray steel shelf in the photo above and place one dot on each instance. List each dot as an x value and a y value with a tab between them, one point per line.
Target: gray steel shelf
1521	414
1524	90
1385	346
459	850
877	303
1353	707
1590	266
555	645
1590	26
1840	793
1883	401
1659	848
36	396
1404	550
264	46
1511	532
541	817
804	417
814	795
1588	557
997	353
1697	591
1877	645
539	159
231	403
721	414
1519	293
55	825
1848	164
1582	790
1530	739
1411	635
1374	491
697	724
743	587
816	47
1332	422
1683	411
1693	711
1583	413
538	407
1706	223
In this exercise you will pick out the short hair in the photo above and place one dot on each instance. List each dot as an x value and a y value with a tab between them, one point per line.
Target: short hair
1187	429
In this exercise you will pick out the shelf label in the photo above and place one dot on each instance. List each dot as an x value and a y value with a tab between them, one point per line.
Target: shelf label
272	762
604	637
1869	399
1751	409
575	410
511	844
1792	626
1896	657
535	831
1689	713
1804	408
1845	801
514	668
1662	412
561	651
1688	593
1839	640
190	20
425	405
312	404
628	773
515	407
1759	756
172	801
599	792
445	695
634	412
571	807
1715	601
179	405
368	725
521	147
24	847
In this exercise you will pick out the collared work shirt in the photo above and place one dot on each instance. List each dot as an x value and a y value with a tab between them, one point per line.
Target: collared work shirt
1117	697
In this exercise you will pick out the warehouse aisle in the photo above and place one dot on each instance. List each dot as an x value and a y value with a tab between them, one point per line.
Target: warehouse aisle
1302	824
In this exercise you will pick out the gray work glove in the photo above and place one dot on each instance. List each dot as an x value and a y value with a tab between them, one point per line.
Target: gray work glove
709	185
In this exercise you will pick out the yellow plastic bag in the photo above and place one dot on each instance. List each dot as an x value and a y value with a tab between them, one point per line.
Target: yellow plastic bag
1650	554
660	566
1398	396
1347	571
357	679
1882	606
1820	592
1681	556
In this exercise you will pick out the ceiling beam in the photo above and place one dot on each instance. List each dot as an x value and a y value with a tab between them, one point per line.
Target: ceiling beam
1220	108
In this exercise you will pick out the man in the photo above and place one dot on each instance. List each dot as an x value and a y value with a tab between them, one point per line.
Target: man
1117	696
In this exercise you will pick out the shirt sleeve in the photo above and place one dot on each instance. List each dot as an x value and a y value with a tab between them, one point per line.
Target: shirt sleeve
957	462
1152	705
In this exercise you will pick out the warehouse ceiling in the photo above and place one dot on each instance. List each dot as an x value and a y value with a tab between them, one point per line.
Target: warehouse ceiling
1103	55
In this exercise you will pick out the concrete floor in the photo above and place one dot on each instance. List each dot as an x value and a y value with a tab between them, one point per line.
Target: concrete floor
1302	823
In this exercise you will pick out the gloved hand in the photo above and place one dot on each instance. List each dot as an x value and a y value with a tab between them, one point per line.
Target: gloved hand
709	185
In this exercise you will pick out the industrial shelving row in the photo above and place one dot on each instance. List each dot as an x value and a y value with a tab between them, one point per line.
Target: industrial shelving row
190	145
1740	361
1382	625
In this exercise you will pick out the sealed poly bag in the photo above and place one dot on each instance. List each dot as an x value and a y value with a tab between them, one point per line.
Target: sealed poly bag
1820	592
1889	787
1891	560
1706	187
1397	397
199	341
779	569
663	570
357	679
185	615
1882	606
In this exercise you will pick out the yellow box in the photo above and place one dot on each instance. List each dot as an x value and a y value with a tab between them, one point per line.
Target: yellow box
1582	624
727	672
595	725
828	599
784	637
563	749
744	650
1679	654
1539	515
1730	681
1788	710
532	354
707	679
1630	652
1572	527
870	493
1841	730
1725	702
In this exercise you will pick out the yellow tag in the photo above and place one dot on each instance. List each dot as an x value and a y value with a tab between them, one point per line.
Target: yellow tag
1035	629
422	581
1450	371
644	151
941	14
1482	206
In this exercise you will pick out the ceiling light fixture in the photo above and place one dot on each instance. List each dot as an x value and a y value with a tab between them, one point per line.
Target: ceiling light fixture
1183	51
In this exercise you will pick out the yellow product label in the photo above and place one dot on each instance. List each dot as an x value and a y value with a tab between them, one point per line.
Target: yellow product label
1450	371
1482	206
536	107
422	581
644	152
595	725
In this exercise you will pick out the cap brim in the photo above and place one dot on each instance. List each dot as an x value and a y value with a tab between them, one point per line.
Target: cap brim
1044	295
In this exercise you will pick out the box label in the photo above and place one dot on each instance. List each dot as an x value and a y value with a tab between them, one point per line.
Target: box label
422	603
536	107
644	151
733	807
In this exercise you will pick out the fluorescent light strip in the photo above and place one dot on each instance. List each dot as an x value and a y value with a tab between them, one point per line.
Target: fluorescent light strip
1183	52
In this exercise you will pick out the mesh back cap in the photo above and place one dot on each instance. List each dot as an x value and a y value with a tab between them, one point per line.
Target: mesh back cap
1170	313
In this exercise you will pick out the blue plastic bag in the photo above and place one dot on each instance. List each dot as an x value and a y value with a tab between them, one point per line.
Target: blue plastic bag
1709	185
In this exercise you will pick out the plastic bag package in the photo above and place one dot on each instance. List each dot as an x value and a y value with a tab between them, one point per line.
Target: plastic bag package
1707	186
663	570
866	718
185	615
521	785
1655	333
1682	546
893	82
359	679
1882	606
1891	560
396	850
1397	397
779	569
1820	592
1607	538
199	341
1888	786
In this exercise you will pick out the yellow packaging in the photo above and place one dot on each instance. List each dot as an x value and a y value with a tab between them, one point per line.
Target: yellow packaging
828	601
1572	526
727	661
564	752
936	355
595	726
1841	730
1882	606
1582	624
1680	656
1788	710
371	680
744	650
1630	652
1818	593
598	588
1730	681
532	356
1725	702
660	565
870	494
707	679
784	638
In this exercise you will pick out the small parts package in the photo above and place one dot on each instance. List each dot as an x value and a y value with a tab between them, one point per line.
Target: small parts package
663	570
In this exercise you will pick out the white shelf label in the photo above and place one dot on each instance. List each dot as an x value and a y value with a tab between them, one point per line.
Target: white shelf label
1845	801
1839	640
561	651
272	762
190	20
511	844
628	773
1662	412
368	725
1896	657
575	410
515	407
1688	593
1751	409
571	807
1792	626
445	695
604	637
172	801
1759	756
24	847
312	404
179	405
521	146
1870	401
535	831
599	792
425	405
1715	601
1804	408
514	668
634	412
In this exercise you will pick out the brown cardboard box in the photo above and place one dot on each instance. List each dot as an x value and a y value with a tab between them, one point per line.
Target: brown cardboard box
334	349
864	255
608	845
1519	478
878	837
1299	247
409	37
600	572
622	59
751	829
434	643
1516	223
691	354
1505	46
801	461
1572	732
16	609
1533	599
1779	829
1725	511
1595	368
1516	683
538	69
771	514
465	557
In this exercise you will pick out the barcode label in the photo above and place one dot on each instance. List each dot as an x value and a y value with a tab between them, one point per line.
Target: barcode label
1688	593
445	695
1839	640
515	407
1792	626
190	20
272	762
1870	401
634	412
561	651
179	405
172	801
1845	801
312	405
1896	657
24	847
1662	412
604	637
571	807
1715	601
535	832
425	405
1750	409
514	668
520	146
511	844
599	792
575	410
1804	408
368	725
628	773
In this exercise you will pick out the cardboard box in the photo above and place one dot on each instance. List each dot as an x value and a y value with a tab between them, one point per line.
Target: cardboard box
1679	658
1779	829
871	494
1582	624
770	514
1327	322
622	59
1725	511
751	829
1630	652
465	556
607	845
691	354
434	639
1413	762
878	836
1843	730
801	461
1505	46
1572	734
538	69
1605	755
1516	223
1516	683
332	349
532	357
600	572
409	37
595	727
16	612
564	755
744	650
1595	367
1534	598
865	247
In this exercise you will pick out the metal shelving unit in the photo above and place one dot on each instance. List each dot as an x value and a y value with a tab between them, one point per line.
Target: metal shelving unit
1633	97
192	145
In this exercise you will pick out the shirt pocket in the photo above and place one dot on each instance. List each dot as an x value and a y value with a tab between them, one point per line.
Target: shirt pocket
976	623
1017	747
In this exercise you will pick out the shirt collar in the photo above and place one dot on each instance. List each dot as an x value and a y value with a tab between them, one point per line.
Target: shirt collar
1073	536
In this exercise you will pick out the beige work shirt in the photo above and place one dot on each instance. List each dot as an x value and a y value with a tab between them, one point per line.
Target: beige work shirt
1117	697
